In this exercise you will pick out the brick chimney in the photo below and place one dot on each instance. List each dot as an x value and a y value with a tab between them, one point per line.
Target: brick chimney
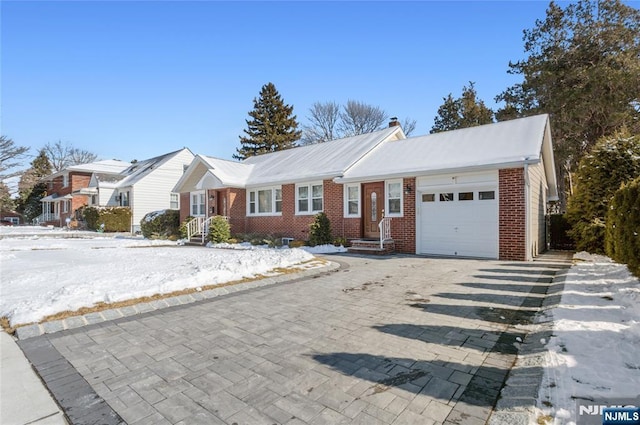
394	122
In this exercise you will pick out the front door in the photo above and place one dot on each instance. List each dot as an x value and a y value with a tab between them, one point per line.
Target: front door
373	206
221	203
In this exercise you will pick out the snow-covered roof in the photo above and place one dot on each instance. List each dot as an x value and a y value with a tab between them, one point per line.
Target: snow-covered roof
318	161
137	171
311	162
230	173
507	143
108	166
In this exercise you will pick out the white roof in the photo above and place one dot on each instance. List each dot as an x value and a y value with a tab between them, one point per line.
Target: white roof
230	173
137	171
496	145
108	166
305	163
318	161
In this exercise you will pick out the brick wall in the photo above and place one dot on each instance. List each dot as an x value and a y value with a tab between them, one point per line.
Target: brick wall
297	226
403	229
185	206
512	216
236	208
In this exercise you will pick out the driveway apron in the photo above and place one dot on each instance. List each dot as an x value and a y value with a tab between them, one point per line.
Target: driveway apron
389	340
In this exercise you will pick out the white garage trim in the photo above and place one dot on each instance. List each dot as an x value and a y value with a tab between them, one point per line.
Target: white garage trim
453	220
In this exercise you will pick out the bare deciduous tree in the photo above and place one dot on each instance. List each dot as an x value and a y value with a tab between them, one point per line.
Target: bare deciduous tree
330	121
63	155
360	118
408	126
11	156
323	119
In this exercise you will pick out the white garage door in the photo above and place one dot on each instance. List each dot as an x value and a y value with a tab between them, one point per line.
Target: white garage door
459	222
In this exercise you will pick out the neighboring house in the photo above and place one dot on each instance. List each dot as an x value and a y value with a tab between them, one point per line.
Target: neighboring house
65	191
143	186
475	192
10	216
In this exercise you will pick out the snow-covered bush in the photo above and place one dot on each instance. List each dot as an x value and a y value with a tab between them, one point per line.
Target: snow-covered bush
108	219
163	224
219	230
622	239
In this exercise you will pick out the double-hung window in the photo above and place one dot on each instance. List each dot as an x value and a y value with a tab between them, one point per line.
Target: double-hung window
174	201
265	201
198	207
352	200
393	194
309	198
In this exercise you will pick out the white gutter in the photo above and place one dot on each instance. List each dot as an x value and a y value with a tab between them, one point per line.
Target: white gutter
421	172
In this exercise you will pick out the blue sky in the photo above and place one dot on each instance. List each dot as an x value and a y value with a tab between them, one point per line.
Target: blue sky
132	80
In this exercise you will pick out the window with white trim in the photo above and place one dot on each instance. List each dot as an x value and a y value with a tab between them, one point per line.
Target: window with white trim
65	206
309	198
393	196
198	207
124	199
352	200
65	180
174	201
265	201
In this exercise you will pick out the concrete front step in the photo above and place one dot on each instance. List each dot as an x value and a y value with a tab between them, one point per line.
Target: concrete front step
196	240
371	247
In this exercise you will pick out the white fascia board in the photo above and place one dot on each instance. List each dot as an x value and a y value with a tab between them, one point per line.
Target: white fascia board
421	172
302	179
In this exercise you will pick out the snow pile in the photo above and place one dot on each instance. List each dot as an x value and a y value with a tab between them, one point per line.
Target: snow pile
44	276
594	348
324	249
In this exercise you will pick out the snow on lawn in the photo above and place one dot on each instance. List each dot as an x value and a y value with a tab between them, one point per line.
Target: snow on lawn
595	348
318	249
45	275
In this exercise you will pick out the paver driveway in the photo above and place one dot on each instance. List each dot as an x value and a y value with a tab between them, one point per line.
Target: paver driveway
391	340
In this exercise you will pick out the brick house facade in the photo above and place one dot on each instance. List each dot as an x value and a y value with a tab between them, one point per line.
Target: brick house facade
414	187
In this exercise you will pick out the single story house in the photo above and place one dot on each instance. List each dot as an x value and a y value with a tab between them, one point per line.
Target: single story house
475	192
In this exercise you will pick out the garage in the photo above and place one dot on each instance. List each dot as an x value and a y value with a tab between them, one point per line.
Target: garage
459	218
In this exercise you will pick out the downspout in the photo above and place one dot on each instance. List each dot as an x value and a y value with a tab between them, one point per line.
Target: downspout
527	230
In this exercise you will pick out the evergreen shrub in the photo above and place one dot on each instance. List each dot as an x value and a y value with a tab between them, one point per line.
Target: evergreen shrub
622	237
219	230
320	230
163	224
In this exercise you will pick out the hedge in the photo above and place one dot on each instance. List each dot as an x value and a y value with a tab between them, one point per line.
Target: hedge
115	219
622	236
163	224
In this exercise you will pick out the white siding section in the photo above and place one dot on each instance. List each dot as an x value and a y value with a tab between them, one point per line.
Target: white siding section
152	192
537	209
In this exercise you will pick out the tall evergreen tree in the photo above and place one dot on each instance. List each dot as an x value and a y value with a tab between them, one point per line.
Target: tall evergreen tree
583	68
466	111
272	126
31	188
6	202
